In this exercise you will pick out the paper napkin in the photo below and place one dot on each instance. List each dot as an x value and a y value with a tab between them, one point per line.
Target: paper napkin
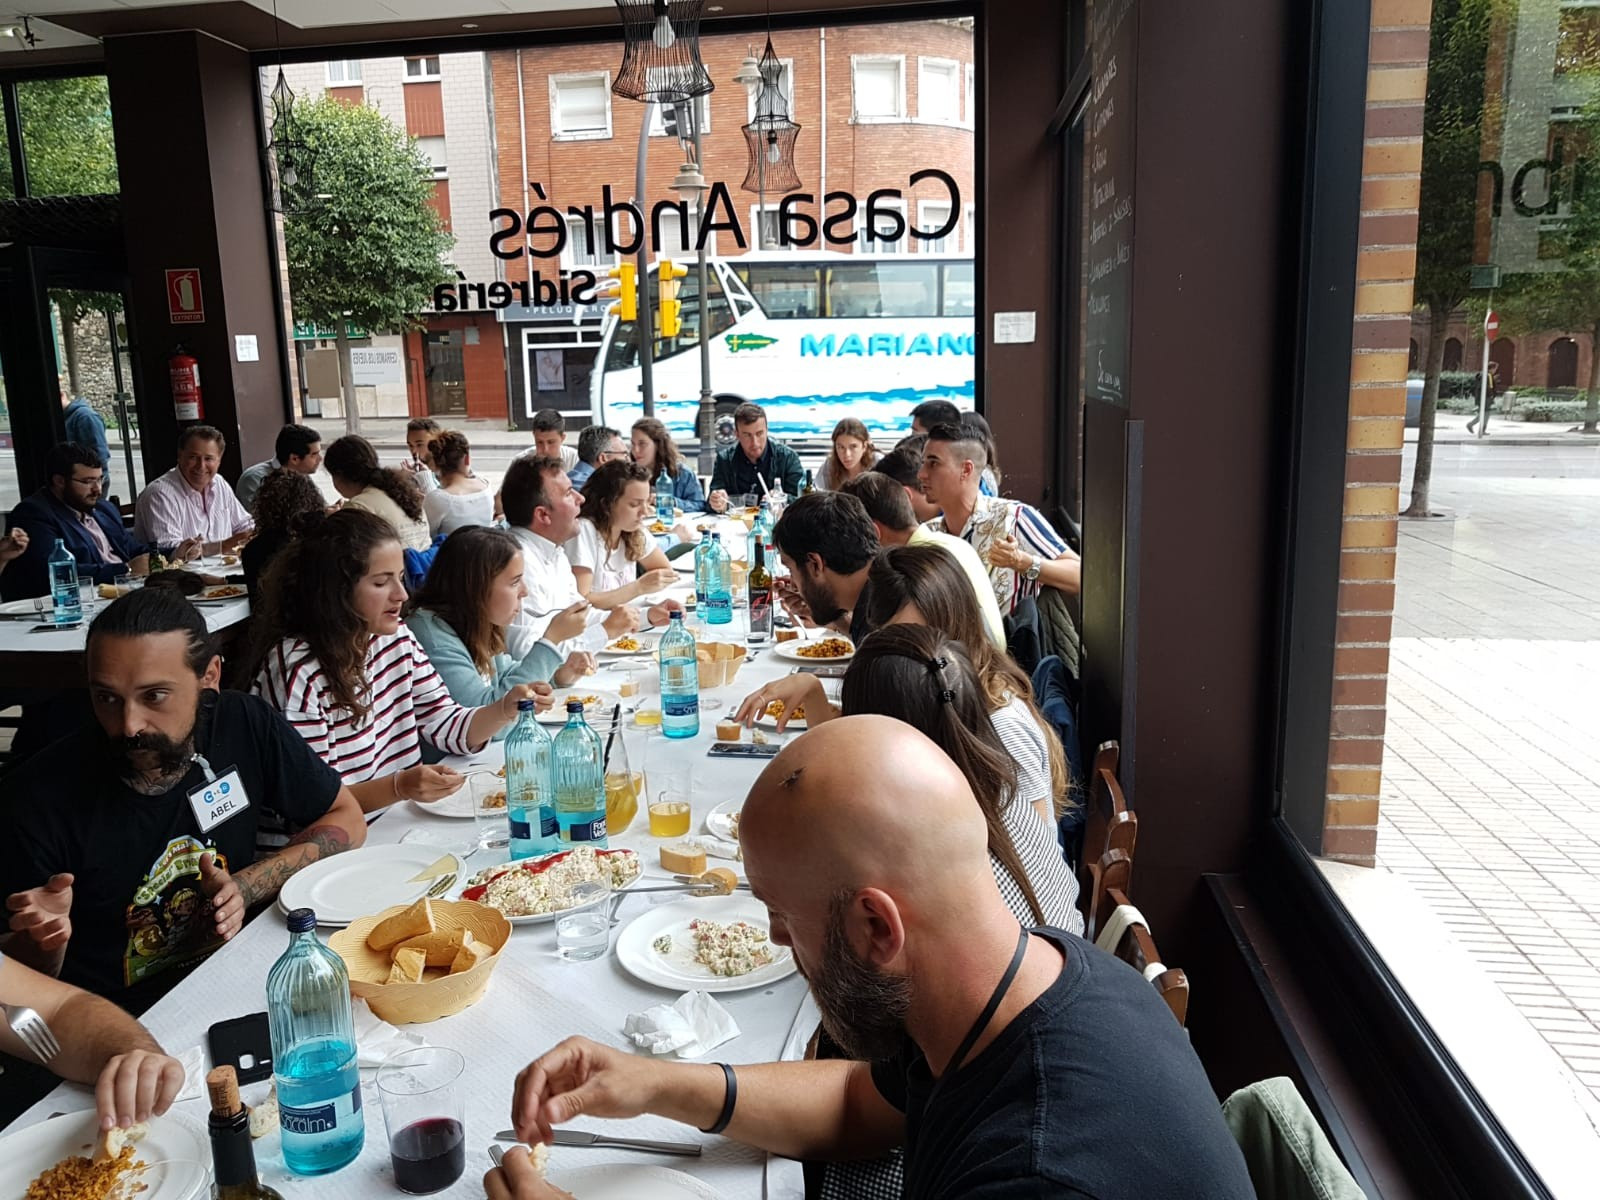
694	1026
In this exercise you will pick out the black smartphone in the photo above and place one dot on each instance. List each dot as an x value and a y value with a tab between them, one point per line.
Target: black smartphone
245	1044
743	750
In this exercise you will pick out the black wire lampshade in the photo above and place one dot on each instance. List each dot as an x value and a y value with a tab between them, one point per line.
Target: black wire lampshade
771	134
290	159
661	51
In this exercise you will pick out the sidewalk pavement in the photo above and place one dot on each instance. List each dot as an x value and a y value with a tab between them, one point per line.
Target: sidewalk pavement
1451	428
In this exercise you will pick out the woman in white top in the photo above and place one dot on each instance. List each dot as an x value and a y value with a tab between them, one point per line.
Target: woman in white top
609	547
384	492
851	457
461	497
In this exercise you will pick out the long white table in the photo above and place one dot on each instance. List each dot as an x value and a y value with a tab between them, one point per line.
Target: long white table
534	998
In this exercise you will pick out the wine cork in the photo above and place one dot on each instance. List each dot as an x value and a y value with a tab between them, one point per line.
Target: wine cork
222	1085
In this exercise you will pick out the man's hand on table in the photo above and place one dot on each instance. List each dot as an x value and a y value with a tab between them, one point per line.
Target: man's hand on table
517	1179
44	913
581	1078
579	663
222	890
718	501
135	1086
660	614
188	550
619	621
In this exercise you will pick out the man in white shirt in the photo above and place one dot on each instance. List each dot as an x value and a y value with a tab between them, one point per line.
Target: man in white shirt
550	438
298	448
192	500
541	507
889	507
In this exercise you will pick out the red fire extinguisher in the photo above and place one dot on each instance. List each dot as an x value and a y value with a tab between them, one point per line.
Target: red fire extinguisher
184	370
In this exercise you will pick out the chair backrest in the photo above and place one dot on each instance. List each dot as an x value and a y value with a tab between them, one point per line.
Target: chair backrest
1112	872
1138	949
1285	1150
1107	757
1109	824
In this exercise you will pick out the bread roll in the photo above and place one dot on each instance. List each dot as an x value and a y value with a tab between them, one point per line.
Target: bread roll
114	1139
391	931
469	956
408	966
441	946
683	858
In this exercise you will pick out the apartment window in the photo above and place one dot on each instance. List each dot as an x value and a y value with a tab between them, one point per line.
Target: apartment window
586	244
764	227
580	105
939	90
879	87
972	95
433	149
785	89
418	69
658	121
931	215
969	229
344	73
881	240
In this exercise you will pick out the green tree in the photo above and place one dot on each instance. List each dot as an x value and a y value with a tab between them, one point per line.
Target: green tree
1567	297
363	243
1453	115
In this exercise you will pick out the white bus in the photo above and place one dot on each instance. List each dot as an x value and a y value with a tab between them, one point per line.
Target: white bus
811	337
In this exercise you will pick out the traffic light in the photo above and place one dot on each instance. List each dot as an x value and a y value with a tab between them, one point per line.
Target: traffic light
668	273
624	286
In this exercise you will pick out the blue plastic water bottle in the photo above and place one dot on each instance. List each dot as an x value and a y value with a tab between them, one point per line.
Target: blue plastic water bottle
64	585
666	501
314	1053
719	584
702	576
530	794
680	681
577	759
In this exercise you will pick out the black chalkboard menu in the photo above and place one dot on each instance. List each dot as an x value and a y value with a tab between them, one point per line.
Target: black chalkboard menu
1113	35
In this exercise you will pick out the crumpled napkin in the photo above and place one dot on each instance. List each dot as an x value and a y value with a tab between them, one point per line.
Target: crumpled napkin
376	1039
194	1073
693	1026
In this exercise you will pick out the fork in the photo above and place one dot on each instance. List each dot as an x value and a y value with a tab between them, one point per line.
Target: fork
30	1028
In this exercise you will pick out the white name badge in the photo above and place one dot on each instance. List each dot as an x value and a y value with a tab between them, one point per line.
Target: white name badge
217	801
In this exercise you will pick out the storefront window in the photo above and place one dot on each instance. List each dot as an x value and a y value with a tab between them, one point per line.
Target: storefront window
66	136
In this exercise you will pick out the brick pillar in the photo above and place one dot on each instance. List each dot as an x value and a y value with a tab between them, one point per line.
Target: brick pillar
1390	185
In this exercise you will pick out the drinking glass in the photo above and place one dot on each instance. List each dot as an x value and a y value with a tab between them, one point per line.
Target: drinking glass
584	932
88	591
488	792
424	1115
126	582
671	800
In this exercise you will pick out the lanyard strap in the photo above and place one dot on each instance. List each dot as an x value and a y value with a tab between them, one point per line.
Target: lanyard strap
989	1010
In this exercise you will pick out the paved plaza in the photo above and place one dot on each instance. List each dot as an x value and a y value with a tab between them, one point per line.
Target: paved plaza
1491	779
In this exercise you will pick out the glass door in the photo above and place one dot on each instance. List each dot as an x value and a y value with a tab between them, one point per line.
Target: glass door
95	380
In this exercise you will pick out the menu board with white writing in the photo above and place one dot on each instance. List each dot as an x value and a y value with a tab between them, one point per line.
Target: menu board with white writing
1113	44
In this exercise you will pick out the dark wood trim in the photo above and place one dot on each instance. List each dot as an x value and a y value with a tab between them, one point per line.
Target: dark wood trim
13	119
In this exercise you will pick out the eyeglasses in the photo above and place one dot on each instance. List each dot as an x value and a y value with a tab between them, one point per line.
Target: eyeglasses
607	455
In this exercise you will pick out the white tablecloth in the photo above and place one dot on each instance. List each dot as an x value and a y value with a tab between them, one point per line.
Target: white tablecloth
20	635
534	999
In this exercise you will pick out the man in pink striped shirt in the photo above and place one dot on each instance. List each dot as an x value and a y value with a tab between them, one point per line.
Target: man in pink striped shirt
191	501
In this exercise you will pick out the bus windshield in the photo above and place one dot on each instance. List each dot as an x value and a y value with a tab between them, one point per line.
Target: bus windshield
806	291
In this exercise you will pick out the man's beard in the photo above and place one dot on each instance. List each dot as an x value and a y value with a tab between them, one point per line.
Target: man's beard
819	598
171	761
863	1009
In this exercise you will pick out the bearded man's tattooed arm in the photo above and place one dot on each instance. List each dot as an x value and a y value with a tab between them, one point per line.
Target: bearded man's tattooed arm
341	828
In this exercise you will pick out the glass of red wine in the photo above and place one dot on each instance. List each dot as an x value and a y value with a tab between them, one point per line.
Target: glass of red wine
424	1117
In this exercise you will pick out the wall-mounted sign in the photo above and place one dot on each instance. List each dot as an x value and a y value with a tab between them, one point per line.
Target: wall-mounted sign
184	306
1114	44
305	331
375	366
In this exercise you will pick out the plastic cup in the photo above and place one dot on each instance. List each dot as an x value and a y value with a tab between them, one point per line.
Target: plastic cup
425	1118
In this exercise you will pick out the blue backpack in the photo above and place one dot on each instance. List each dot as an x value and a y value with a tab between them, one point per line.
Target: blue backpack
1056	696
418	562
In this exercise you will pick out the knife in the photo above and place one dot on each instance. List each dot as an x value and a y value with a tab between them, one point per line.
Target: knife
442	867
584	1137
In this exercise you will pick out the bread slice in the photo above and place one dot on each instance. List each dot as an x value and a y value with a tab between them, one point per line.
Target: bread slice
112	1141
407	966
441	946
413	922
469	956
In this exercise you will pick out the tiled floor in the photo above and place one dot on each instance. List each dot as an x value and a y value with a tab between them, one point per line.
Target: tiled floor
1491	790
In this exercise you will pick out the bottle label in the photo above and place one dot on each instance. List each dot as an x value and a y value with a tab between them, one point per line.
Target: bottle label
760	610
320	1119
719	609
521	829
680	706
548	826
589	831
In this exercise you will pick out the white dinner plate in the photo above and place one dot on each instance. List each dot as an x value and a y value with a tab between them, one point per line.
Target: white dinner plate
648	643
544	918
677	969
600	707
790	650
767	721
26	1154
21	609
719	822
457	805
232	592
630	1181
361	882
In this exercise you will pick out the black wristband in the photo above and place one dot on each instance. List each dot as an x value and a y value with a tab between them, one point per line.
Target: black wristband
728	1102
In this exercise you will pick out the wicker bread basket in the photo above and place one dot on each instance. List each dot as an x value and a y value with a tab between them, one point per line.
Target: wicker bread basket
439	994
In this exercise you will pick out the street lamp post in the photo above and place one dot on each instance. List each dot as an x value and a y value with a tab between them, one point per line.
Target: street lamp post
691	187
749	75
644	320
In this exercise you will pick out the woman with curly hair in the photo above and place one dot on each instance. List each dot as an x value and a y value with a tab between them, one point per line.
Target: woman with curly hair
286	505
334	657
461	498
852	455
389	493
654	450
610	546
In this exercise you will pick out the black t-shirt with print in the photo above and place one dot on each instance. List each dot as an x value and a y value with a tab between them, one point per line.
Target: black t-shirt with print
138	916
1091	1091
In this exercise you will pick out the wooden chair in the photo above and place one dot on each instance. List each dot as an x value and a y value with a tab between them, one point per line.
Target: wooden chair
1112	873
1109	825
1107	755
1138	949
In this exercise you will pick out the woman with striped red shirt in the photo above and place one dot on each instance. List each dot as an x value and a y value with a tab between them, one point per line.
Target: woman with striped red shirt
338	662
